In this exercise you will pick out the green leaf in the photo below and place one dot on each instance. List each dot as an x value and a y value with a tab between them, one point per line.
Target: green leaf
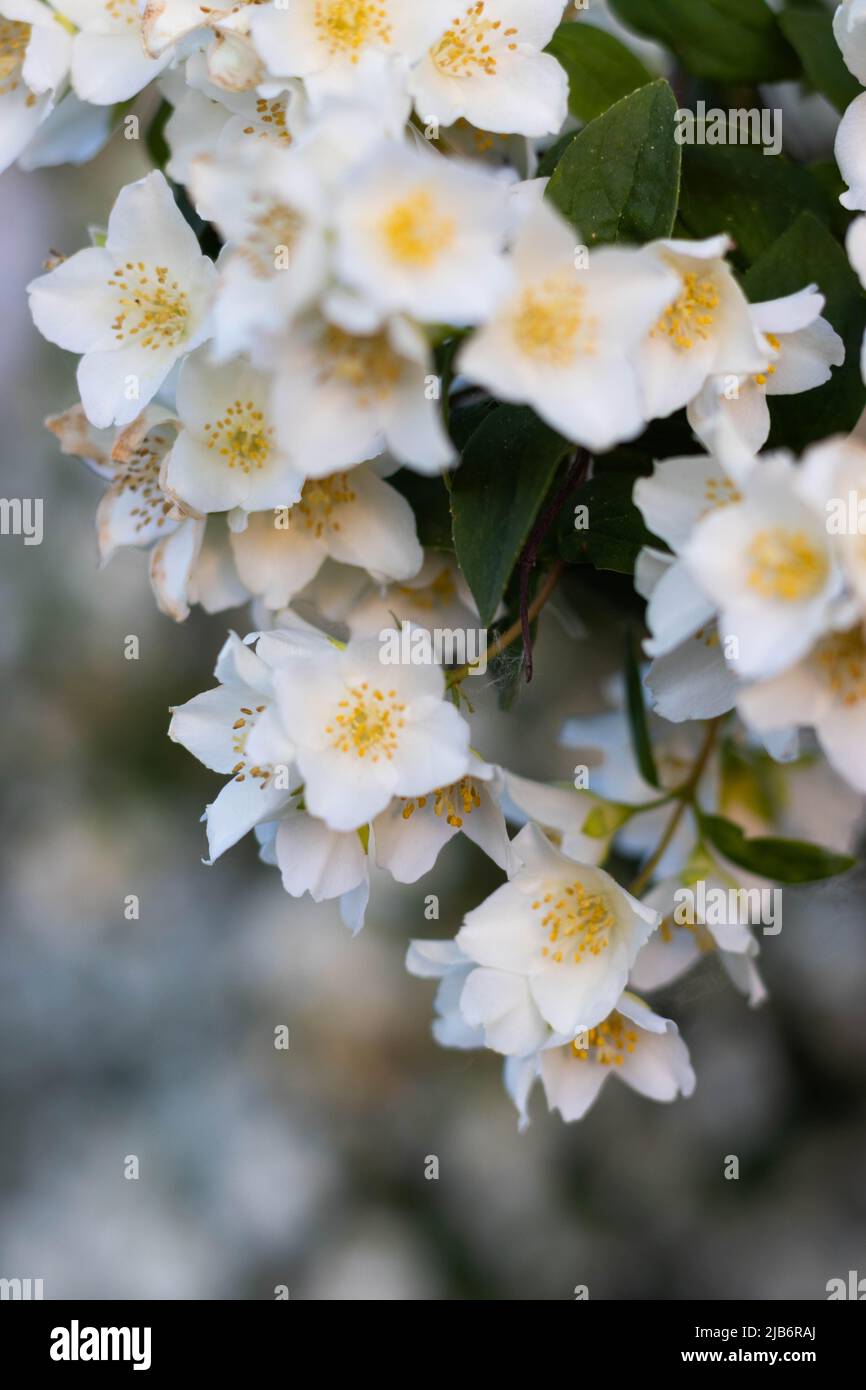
808	252
787	861
810	32
553	154
619	179
428	498
725	40
636	707
600	69
614	531
752	196
507	468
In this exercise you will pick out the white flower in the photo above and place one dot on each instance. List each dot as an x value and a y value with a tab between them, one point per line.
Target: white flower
210	121
356	518
767	563
437	596
188	565
849	154
677	946
328	39
560	341
834	479
410	833
366	732
325	863
488	68
443	960
422	235
109	62
269	207
226	454
635	1044
849	27
679	494
554	947
732	416
560	811
825	691
232	61
217	726
705	329
132	306
34	60
341	398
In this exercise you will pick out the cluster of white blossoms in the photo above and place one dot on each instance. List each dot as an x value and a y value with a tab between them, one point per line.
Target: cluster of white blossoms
364	173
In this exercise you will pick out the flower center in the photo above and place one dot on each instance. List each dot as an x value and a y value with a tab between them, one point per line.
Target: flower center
366	365
241	729
415	233
241	437
150	305
14	38
692	314
276	229
454	802
550	324
123	11
320	498
269	120
575	922
841	662
347	26
786	565
465	49
139	474
367	722
770	369
720	492
608	1043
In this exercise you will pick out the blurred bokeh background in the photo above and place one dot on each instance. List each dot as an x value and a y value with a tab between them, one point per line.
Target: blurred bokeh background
305	1167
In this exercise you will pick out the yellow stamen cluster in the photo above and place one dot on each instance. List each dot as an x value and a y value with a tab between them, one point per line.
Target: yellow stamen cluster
465	50
414	233
841	662
140	474
126	11
279	225
720	492
346	27
151	307
608	1044
367	365
769	370
786	565
691	315
14	38
576	922
320	498
550	323
270	120
241	729
454	802
368	722
241	437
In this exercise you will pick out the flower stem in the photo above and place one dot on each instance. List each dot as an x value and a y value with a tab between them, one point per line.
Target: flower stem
512	633
685	795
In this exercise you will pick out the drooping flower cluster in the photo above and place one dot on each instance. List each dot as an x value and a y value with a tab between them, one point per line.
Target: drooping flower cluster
352	262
